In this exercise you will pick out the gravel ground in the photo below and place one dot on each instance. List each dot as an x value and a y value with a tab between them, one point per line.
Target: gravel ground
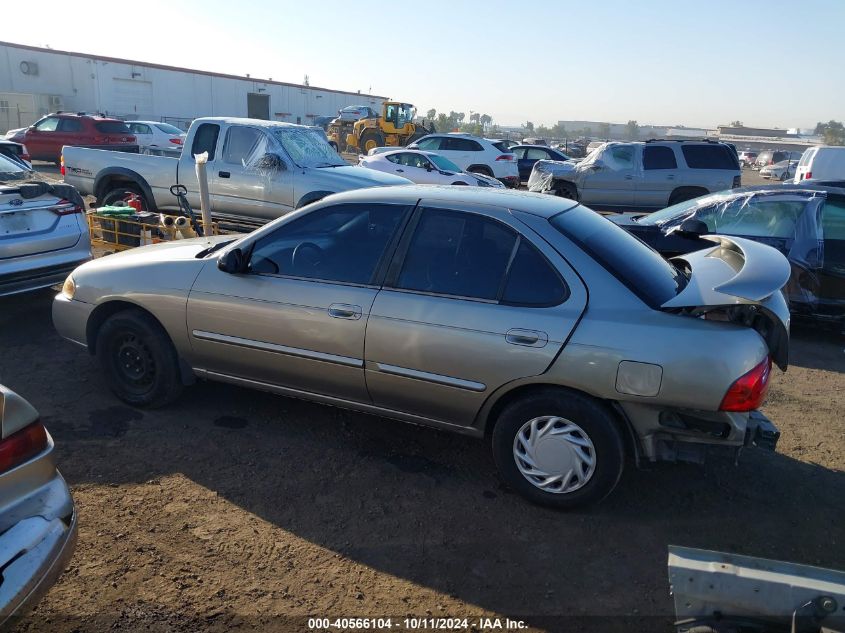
234	510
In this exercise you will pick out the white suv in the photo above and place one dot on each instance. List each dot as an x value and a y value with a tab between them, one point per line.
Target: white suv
473	154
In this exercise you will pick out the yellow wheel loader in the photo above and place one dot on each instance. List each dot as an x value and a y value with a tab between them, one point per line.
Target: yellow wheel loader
394	128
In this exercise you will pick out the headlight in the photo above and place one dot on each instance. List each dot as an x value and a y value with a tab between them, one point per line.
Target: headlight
69	287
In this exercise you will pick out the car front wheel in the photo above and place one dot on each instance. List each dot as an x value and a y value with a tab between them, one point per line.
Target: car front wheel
139	361
558	448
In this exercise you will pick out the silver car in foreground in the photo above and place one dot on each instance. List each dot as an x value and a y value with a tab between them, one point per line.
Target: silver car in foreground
37	517
524	318
43	232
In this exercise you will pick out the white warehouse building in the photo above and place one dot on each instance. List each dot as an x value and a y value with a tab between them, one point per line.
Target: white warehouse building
36	81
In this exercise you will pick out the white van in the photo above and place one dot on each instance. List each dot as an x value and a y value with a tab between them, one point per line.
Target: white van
821	163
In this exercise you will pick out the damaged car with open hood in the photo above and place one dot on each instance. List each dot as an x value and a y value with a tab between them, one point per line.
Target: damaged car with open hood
527	320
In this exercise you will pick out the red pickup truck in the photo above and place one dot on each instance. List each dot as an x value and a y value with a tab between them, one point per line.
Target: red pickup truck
46	137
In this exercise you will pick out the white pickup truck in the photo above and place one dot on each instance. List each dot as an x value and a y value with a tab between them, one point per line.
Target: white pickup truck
257	170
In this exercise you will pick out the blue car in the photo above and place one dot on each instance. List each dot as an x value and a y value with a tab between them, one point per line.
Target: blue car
527	155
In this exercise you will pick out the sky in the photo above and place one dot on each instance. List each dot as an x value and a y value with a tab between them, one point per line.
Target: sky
774	63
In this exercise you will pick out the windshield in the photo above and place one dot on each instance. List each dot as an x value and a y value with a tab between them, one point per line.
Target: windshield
169	129
443	164
10	170
681	209
642	269
306	147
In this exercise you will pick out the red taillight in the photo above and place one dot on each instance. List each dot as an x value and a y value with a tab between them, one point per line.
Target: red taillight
748	391
66	208
23	445
808	175
62	163
176	141
25	154
507	157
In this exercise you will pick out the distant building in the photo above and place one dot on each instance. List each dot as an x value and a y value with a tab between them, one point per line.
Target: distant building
729	130
35	81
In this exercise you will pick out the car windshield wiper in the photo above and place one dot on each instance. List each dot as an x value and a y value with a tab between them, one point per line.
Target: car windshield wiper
321	165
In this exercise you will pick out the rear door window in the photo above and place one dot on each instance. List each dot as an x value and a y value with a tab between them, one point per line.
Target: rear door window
461	145
112	127
535	153
659	157
70	125
532	281
457	254
833	219
709	156
205	139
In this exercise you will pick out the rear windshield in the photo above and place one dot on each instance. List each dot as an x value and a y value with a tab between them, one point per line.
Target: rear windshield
112	127
710	156
169	129
10	170
642	269
502	147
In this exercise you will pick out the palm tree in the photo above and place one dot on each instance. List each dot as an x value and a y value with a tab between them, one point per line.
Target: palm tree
486	119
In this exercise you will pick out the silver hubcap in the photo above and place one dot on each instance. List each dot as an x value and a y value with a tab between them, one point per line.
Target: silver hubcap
554	454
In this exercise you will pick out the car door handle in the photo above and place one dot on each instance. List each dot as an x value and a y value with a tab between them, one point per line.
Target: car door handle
670	178
344	311
223	174
629	177
401	171
527	338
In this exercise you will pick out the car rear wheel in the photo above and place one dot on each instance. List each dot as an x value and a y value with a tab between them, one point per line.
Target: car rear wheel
122	194
138	359
559	449
567	190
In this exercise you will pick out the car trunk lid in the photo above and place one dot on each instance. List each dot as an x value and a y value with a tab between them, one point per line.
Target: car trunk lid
740	281
32	226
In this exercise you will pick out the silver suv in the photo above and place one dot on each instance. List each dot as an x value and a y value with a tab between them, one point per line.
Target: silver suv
641	175
43	232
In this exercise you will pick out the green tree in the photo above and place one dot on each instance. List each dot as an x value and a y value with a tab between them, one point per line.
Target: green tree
737	124
431	114
833	132
529	126
632	129
485	120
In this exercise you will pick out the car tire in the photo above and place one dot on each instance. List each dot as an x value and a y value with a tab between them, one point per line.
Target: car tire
682	194
122	193
587	430
138	359
566	190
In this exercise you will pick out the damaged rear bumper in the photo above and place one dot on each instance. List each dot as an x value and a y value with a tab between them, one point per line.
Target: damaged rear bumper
685	435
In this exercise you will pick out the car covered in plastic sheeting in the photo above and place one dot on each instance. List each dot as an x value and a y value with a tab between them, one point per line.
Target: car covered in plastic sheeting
806	224
646	176
37	517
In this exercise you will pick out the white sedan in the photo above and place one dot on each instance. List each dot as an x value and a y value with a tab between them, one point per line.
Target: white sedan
783	170
425	168
155	137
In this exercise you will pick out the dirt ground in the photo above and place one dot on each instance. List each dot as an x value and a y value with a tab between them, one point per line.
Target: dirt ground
234	510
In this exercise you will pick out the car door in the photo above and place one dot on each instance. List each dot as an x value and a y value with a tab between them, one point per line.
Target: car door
143	134
658	179
610	180
532	155
296	318
523	165
407	165
40	139
832	274
470	303
206	138
459	150
251	177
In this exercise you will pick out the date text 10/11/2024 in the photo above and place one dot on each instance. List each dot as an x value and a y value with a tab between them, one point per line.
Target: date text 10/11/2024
415	624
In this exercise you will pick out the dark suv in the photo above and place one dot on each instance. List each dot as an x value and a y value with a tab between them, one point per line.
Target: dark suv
46	137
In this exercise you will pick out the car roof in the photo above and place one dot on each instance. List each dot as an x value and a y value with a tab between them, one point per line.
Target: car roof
230	120
539	204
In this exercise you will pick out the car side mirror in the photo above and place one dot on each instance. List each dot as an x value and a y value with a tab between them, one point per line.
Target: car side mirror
232	262
692	227
413	146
